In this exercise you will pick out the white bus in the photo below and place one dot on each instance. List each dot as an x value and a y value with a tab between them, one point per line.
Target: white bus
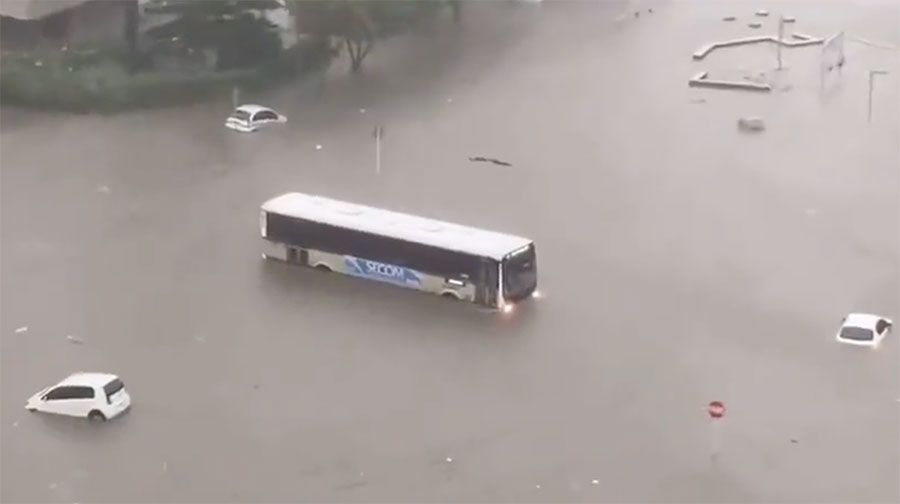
492	269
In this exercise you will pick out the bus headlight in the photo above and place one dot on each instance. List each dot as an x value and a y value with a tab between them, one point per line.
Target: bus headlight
536	294
507	308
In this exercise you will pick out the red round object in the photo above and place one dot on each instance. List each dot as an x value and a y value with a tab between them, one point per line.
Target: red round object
716	409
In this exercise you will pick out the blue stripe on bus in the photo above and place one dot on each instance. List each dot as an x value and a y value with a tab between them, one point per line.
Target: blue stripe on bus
382	272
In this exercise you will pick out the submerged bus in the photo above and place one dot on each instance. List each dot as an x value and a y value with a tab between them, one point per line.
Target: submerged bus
491	269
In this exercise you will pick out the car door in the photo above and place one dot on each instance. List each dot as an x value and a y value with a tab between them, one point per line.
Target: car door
56	400
81	401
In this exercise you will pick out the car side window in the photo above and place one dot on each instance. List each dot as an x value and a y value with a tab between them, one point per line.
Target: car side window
265	115
59	393
82	393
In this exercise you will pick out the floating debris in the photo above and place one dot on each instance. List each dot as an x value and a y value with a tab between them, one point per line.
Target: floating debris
351	485
794	441
318	146
38	63
698	100
362	111
449	100
103	189
21	330
201	339
165	466
788	19
702	80
16	423
489	160
751	124
74	339
448	460
729	18
754	25
255	386
762	13
537	486
595	482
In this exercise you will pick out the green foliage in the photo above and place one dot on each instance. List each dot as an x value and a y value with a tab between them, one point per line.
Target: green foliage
97	81
237	32
358	22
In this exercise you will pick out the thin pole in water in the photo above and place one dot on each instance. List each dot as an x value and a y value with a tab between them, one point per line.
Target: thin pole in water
378	134
715	439
716	411
780	38
872	74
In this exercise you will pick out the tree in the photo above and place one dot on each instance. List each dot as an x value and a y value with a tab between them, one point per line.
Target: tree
132	22
236	29
357	23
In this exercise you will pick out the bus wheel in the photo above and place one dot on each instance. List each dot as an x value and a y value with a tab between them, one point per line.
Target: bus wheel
324	268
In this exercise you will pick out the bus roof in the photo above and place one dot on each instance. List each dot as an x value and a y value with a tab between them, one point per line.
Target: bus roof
396	225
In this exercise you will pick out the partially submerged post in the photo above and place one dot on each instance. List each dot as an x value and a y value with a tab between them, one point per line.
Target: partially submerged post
780	38
378	133
716	411
872	74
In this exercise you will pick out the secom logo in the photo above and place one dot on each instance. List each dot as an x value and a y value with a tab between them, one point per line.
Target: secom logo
383	272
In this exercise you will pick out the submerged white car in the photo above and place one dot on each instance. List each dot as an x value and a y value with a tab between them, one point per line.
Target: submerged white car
249	118
863	329
96	396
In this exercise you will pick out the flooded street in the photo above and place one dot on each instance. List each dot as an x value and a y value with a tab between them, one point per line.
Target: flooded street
682	261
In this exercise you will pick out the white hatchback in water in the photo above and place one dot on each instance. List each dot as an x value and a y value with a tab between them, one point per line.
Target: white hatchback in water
863	329
97	396
249	118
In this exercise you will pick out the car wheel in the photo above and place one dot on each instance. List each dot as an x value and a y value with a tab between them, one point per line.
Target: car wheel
96	416
31	410
324	268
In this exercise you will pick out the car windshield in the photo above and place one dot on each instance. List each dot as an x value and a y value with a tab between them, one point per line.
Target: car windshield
856	334
112	388
519	274
241	115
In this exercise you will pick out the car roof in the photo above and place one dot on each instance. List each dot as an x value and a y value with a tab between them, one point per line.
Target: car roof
88	379
863	320
251	108
396	225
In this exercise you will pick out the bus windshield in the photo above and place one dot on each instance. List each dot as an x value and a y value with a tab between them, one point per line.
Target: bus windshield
519	274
